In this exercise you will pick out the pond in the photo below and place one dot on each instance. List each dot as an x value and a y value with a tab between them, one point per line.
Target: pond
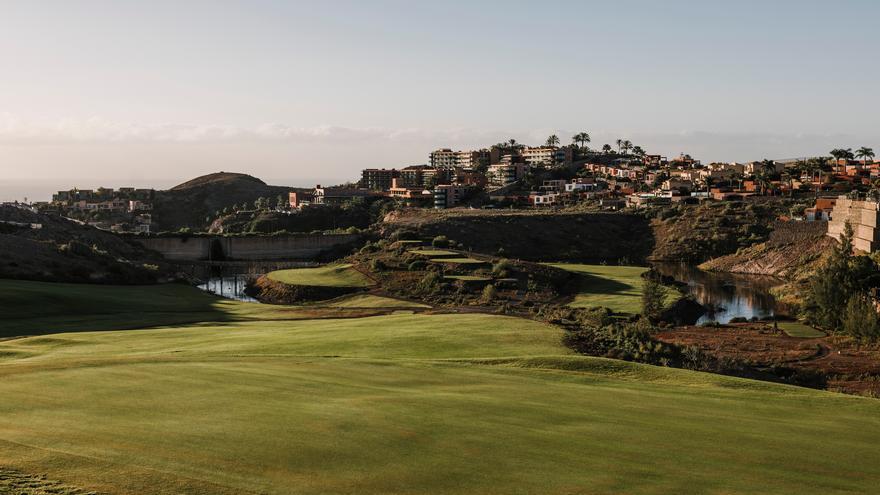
725	295
231	287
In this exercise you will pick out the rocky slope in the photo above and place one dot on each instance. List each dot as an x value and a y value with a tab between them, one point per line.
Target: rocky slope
793	251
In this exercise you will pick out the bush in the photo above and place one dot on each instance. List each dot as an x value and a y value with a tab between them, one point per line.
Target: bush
417	266
653	298
501	269
430	283
490	293
377	266
441	241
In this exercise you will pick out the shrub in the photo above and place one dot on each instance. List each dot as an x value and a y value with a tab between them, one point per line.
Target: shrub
430	283
653	298
501	269
369	248
490	293
417	266
441	241
377	266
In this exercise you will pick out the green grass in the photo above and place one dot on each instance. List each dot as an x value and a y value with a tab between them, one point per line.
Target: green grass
800	330
342	275
458	261
468	278
433	252
618	288
443	403
370	301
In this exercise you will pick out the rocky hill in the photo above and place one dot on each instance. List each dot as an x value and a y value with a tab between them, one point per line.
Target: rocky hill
35	246
195	203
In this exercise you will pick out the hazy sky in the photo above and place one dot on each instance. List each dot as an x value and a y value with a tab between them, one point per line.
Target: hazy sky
154	93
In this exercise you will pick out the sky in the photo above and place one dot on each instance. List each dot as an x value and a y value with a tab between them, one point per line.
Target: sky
150	94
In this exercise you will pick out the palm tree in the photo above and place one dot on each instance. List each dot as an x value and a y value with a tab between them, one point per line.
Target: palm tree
638	151
619	145
553	140
581	138
627	145
842	154
606	148
865	153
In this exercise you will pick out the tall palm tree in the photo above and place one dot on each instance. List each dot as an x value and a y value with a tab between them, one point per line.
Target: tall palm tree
606	148
553	140
619	145
581	138
627	145
865	153
638	151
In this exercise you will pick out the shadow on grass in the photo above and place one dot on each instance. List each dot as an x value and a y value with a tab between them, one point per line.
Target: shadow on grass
39	308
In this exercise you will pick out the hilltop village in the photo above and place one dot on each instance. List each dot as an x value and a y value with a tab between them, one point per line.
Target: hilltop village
511	175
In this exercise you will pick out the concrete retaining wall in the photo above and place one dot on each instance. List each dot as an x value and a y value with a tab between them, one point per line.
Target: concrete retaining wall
294	246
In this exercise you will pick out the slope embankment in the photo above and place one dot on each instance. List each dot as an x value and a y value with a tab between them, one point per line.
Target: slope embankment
792	251
533	236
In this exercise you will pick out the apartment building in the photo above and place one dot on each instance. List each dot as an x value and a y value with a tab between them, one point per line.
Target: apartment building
425	176
504	173
448	195
447	158
378	179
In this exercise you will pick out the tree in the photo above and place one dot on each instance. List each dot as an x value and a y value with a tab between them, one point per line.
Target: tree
842	154
553	140
653	298
606	148
626	145
581	138
281	203
832	285
261	203
619	145
489	294
865	153
860	318
638	151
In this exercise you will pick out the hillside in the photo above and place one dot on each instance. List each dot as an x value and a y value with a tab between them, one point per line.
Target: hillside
792	252
62	250
401	403
699	233
530	235
195	203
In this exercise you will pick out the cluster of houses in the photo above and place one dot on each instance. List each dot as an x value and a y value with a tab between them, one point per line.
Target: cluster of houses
615	180
127	208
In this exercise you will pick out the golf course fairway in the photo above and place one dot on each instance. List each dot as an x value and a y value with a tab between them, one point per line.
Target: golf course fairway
404	403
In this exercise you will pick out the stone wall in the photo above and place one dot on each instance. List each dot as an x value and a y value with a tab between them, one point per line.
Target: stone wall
862	216
294	246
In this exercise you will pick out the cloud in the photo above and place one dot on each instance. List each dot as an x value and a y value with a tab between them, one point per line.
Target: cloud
709	146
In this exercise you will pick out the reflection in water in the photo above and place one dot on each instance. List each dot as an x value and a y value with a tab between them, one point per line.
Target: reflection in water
726	295
231	287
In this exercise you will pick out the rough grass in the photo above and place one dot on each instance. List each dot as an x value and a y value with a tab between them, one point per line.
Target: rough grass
799	329
445	403
618	288
468	278
341	275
